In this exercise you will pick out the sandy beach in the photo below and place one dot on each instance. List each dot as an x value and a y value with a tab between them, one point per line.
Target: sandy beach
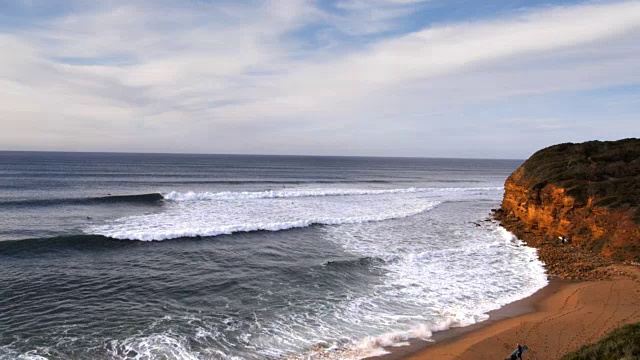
559	319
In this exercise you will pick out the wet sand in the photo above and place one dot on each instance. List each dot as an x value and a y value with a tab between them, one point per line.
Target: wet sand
556	320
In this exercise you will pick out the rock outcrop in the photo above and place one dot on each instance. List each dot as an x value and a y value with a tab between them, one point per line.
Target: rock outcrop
588	194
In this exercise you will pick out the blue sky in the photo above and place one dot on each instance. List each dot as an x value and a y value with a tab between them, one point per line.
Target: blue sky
431	78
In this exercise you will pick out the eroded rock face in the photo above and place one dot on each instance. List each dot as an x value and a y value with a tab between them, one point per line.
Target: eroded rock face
588	193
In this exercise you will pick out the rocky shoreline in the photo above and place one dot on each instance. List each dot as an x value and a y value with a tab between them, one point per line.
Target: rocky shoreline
568	261
579	205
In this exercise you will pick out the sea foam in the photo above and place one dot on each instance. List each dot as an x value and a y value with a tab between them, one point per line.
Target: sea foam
150	228
442	289
271	194
437	272
190	214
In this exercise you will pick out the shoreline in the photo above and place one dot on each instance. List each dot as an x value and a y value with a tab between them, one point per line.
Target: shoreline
583	233
515	309
558	319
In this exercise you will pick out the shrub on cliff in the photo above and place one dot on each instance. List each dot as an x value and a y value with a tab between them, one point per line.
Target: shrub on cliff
621	344
607	171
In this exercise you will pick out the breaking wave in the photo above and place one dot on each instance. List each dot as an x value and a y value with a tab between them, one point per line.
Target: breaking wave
272	194
156	198
144	228
109	199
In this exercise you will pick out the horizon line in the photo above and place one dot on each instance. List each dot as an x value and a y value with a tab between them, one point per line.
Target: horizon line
236	154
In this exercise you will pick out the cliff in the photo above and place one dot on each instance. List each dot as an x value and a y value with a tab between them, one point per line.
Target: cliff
588	193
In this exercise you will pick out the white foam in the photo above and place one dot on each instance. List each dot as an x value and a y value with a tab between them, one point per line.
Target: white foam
435	290
273	194
153	347
139	230
212	214
374	346
435	277
7	352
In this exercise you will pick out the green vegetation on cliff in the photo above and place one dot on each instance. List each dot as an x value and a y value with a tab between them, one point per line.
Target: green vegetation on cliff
588	193
607	171
621	344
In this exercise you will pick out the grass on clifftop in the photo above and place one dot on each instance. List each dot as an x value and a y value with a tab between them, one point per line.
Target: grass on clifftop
621	344
608	171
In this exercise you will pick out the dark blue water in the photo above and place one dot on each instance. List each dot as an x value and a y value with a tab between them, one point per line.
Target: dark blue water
246	256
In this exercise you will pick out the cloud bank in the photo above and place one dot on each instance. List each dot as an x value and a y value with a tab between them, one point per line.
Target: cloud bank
304	77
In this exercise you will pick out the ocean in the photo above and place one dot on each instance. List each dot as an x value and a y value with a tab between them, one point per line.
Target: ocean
161	256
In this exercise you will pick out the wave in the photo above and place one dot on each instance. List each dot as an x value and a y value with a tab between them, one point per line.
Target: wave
288	182
35	247
456	285
309	182
365	261
157	233
155	198
374	346
156	346
142	198
152	198
209	214
271	194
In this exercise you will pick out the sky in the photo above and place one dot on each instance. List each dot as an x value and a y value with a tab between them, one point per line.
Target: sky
424	78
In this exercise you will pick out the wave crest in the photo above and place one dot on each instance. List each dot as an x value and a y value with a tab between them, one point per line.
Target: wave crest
272	194
143	199
144	232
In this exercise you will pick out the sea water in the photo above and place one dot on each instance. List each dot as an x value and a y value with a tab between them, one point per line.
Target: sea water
140	256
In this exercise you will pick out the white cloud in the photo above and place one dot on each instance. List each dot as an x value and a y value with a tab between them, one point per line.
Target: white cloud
169	76
366	17
461	61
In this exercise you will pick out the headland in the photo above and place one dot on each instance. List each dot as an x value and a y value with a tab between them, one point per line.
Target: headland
578	205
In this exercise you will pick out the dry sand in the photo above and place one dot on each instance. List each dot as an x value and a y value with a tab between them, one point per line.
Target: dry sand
570	316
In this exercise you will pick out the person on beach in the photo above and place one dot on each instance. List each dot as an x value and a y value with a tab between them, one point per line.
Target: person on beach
519	352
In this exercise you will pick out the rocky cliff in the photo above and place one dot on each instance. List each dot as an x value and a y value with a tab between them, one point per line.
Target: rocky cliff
588	193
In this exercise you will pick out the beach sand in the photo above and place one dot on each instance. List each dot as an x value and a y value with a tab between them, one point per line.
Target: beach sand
559	319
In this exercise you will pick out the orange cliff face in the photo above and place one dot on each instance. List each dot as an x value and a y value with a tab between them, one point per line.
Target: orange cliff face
541	198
